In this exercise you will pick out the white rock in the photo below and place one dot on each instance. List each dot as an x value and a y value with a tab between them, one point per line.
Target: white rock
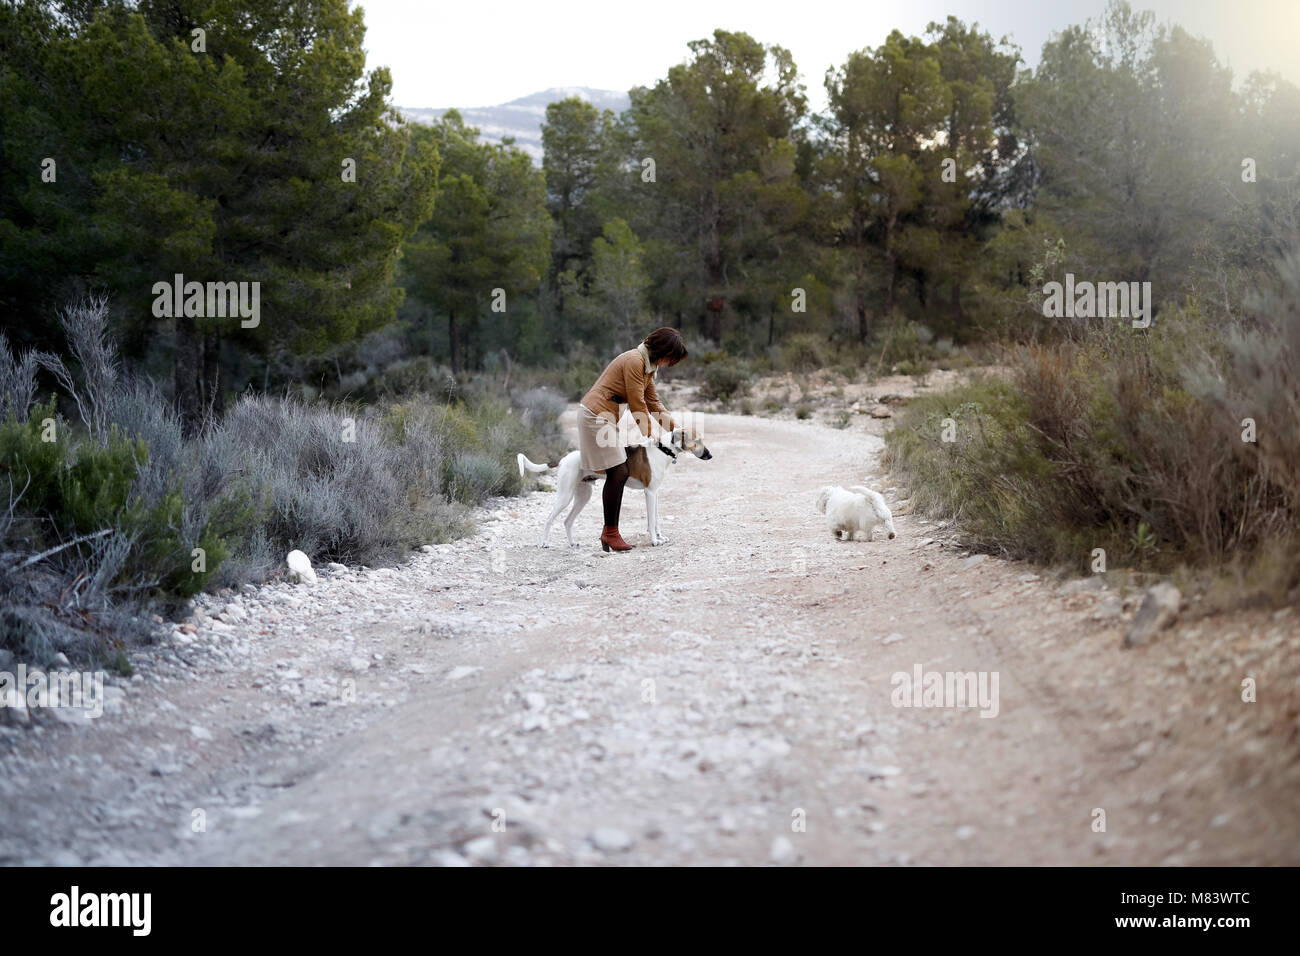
1158	610
782	850
71	716
536	722
535	701
1080	585
610	840
200	733
874	772
482	850
456	673
773	749
1109	608
300	567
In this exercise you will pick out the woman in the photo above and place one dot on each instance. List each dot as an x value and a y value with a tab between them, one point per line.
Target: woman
628	380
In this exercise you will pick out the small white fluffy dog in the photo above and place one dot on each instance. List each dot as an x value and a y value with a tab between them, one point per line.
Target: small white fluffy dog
854	509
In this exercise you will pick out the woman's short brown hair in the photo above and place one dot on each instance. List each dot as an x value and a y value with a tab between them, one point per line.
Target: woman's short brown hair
665	344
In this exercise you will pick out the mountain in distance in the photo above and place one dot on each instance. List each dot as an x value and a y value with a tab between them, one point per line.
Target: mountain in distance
522	118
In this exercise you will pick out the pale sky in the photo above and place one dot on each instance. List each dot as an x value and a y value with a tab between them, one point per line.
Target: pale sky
469	54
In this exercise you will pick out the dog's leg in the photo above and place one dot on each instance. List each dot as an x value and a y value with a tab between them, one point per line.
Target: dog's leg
563	495
581	495
652	517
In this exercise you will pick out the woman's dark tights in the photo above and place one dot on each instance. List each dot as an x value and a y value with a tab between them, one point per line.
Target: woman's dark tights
612	495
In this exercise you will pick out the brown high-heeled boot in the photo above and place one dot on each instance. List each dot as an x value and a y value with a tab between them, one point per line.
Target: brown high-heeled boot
611	540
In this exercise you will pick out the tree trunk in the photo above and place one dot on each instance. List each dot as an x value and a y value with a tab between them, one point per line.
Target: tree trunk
891	271
891	266
711	327
213	394
860	301
859	292
453	338
185	381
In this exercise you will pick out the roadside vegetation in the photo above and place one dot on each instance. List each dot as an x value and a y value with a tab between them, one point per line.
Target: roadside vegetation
111	513
1171	449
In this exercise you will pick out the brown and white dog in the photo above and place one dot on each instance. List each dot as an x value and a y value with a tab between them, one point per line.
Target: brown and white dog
647	467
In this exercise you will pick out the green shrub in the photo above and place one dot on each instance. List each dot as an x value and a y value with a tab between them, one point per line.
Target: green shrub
472	476
906	347
724	380
804	352
32	466
79	487
414	376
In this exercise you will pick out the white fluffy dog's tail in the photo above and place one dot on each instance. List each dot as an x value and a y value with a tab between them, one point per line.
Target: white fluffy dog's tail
525	466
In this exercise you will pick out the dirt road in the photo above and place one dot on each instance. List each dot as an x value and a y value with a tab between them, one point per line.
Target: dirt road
725	698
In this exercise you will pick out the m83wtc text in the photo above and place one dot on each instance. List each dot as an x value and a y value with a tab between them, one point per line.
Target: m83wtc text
1151	899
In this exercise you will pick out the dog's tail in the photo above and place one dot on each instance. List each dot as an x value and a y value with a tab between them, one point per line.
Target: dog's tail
874	498
526	466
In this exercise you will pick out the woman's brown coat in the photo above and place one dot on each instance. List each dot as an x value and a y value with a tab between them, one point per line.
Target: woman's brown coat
629	380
